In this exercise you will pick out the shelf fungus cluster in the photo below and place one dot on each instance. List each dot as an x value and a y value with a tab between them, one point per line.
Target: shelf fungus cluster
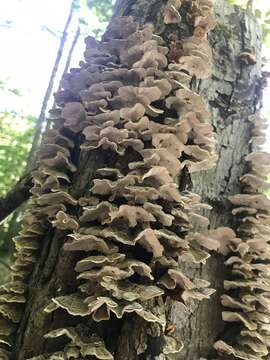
135	225
247	300
50	199
133	228
48	206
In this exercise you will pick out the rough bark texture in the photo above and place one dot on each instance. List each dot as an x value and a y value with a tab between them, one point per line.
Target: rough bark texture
233	94
16	196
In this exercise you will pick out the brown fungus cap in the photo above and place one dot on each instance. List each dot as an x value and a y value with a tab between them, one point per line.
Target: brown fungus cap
260	201
90	243
148	240
88	345
64	222
133	215
74	114
171	15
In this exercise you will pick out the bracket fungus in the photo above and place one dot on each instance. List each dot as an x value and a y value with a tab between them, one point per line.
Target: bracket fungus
171	14
249	260
131	227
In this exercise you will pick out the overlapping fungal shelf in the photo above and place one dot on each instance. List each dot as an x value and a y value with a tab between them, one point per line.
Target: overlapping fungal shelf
133	227
247	300
49	203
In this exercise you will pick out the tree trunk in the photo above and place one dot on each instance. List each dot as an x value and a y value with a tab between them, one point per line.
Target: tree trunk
233	93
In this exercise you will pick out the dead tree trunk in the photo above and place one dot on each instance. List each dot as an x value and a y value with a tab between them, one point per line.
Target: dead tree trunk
233	94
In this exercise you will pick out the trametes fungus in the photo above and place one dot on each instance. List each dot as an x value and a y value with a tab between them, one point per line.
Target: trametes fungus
48	205
171	14
132	225
250	303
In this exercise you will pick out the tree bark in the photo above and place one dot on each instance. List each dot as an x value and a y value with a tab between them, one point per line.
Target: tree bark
233	93
16	196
